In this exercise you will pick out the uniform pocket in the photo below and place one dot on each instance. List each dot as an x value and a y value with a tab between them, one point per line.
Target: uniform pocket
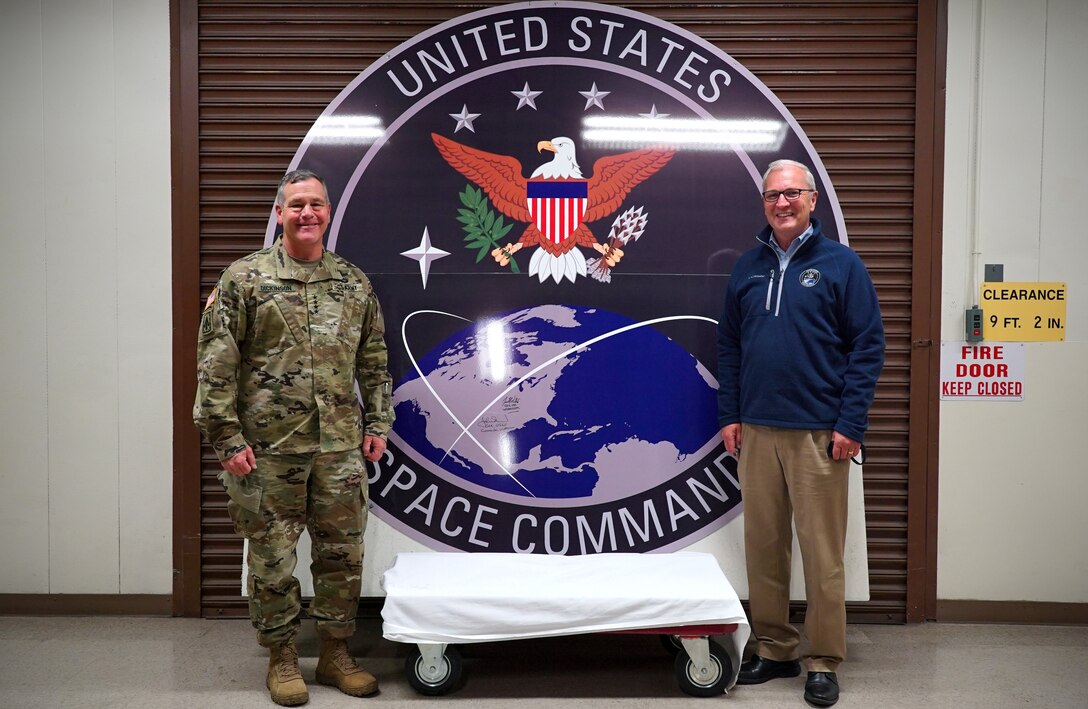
271	332
350	329
243	491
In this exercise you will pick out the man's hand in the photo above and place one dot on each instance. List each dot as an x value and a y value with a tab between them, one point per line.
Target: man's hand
842	447
373	447
731	436
241	464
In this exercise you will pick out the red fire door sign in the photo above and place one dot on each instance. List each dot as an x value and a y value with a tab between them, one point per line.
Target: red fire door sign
987	371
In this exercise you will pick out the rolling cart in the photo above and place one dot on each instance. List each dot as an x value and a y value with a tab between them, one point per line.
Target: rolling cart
437	601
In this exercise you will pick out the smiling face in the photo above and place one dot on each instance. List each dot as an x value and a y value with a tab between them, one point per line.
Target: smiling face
788	219
304	215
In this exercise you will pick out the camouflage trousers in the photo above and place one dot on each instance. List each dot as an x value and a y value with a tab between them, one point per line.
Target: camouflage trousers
325	493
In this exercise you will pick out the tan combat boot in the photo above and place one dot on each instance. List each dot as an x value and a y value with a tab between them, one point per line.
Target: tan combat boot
336	668
284	680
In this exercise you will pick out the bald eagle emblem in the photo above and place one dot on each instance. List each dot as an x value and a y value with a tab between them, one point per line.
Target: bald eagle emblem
558	203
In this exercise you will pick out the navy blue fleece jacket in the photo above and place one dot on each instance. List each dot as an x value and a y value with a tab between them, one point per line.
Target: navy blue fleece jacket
800	347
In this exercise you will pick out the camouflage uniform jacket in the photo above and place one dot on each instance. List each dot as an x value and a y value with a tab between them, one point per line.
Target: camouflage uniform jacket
278	354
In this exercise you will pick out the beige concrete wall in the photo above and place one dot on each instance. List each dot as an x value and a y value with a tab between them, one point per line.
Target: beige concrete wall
1013	482
85	482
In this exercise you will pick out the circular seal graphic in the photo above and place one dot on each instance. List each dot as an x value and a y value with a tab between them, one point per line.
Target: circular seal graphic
549	199
809	278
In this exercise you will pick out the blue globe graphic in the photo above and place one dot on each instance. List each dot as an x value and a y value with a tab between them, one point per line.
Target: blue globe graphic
558	402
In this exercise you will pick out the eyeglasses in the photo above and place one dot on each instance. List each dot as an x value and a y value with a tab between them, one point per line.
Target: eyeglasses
792	195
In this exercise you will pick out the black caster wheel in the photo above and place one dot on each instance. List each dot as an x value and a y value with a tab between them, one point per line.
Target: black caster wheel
672	644
436	678
709	682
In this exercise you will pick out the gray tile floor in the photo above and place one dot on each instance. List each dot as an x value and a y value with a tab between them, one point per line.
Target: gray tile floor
147	663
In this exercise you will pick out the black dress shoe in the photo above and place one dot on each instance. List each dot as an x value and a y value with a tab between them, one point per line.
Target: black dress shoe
822	689
759	669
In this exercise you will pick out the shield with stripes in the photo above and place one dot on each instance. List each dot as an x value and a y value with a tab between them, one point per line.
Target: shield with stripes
557	206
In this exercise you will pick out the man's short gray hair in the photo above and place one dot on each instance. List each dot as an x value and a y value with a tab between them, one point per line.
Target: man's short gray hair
779	164
296	176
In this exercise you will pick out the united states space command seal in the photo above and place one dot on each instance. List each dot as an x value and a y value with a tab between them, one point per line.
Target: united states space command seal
809	278
548	199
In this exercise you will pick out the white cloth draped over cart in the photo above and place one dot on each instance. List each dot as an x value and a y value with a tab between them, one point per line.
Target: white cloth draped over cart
469	598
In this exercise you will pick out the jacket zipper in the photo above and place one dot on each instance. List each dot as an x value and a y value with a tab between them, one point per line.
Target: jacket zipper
770	291
778	301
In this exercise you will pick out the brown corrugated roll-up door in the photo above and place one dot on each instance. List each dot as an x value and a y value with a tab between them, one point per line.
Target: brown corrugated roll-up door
862	78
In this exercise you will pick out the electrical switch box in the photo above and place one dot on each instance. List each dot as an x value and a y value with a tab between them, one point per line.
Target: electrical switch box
973	324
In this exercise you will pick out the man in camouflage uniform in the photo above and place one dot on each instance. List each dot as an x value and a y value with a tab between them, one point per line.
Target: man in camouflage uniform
284	337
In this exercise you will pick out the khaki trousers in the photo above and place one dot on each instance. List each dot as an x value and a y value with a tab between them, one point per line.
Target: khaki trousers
784	474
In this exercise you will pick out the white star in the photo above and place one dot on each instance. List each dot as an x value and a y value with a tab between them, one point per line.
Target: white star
425	254
653	114
464	119
526	96
593	97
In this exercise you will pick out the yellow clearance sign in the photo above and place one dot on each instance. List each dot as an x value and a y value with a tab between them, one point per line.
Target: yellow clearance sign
1023	312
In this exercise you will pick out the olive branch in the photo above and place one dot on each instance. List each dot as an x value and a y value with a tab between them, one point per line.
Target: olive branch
483	228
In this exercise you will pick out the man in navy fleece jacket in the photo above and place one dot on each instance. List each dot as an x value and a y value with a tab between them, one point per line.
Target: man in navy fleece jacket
800	347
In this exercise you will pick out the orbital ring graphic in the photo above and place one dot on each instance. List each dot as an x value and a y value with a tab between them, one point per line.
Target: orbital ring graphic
464	428
440	400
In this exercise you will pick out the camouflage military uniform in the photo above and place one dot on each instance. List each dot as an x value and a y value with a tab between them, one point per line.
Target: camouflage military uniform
278	355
